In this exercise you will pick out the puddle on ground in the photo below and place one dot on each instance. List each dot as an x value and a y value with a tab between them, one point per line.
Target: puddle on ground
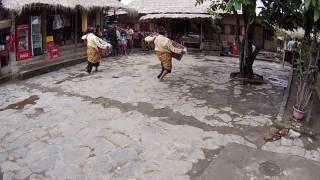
36	113
270	168
20	105
72	77
277	81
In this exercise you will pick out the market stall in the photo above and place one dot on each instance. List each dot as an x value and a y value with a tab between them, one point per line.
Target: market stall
4	42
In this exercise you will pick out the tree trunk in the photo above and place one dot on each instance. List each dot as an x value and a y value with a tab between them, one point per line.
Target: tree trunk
247	53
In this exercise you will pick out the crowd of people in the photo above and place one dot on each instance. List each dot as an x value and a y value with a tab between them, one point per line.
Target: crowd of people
123	39
120	39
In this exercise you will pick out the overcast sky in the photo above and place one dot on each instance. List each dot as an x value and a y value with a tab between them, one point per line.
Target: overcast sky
126	1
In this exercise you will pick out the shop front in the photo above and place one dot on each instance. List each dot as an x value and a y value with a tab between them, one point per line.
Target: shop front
4	43
191	27
38	29
44	34
61	27
5	24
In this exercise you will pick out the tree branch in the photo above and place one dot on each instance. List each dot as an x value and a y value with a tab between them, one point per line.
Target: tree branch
286	7
264	3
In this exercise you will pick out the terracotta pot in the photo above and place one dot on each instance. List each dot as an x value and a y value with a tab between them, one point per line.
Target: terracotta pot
298	114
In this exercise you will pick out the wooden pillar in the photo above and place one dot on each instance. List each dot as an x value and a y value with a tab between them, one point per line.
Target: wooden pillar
76	25
201	35
13	55
97	21
44	30
101	20
84	21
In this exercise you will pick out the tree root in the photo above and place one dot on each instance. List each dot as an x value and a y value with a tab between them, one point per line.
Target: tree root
257	79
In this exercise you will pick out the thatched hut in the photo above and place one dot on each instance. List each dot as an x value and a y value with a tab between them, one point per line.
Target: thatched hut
5	24
184	17
35	32
18	5
39	26
180	20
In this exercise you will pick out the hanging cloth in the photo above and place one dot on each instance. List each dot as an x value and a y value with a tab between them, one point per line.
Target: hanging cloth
57	22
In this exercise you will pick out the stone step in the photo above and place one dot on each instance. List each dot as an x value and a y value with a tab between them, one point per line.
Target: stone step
45	58
44	61
49	67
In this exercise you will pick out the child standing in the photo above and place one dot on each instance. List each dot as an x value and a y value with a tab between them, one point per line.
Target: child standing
123	43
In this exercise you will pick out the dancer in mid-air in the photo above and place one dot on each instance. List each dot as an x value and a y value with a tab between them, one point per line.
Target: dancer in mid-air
164	49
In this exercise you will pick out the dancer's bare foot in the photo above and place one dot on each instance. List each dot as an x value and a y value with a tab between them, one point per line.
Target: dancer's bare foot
159	76
163	75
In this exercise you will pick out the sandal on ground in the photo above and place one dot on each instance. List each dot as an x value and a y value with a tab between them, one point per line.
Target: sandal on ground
274	137
283	132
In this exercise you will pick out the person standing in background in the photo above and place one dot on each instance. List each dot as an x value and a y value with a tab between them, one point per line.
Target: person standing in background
98	31
112	35
123	43
130	33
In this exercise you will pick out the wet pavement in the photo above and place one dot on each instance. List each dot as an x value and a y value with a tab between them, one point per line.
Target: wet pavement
122	123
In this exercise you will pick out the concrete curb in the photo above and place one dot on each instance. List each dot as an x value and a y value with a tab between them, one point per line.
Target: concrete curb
49	68
280	122
5	78
42	69
285	97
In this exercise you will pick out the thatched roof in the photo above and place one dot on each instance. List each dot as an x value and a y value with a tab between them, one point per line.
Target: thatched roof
175	16
169	6
297	33
18	5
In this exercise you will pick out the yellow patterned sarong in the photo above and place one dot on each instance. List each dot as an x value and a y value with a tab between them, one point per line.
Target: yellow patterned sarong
93	55
165	59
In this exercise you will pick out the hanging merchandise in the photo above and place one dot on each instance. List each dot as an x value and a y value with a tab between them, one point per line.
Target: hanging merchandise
84	22
36	36
57	22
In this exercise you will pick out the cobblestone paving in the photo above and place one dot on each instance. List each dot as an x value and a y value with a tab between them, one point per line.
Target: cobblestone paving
122	123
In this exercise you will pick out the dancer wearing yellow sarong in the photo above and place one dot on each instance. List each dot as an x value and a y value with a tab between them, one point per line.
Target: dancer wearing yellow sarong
164	49
93	52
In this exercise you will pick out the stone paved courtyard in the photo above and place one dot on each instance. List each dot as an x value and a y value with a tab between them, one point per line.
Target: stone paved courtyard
122	123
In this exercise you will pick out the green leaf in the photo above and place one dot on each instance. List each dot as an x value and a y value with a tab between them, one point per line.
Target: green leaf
229	6
307	3
237	5
316	14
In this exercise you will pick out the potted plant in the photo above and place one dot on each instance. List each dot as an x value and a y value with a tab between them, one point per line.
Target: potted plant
307	72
